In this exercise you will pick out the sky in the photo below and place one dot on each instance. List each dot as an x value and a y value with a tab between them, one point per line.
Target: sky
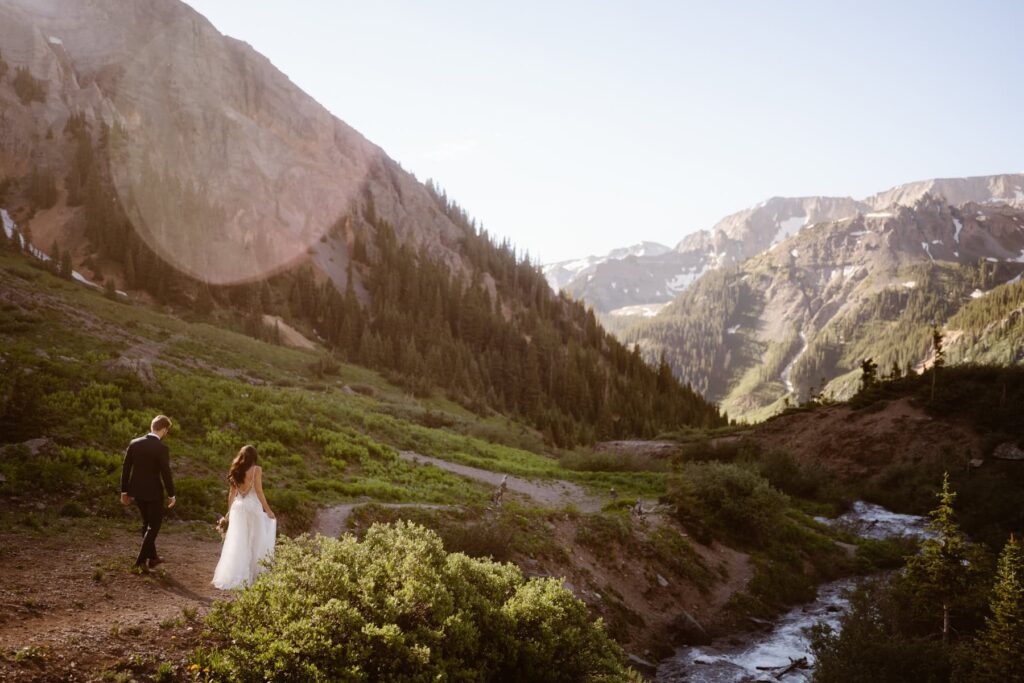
577	127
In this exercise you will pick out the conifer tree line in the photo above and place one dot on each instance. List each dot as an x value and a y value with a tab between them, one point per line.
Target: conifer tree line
526	351
892	326
947	616
492	336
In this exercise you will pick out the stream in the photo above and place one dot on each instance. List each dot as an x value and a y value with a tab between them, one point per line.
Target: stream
760	656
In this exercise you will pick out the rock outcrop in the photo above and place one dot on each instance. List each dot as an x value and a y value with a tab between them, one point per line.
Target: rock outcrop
225	167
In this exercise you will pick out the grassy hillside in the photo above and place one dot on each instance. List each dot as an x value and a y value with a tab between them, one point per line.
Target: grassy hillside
88	373
475	321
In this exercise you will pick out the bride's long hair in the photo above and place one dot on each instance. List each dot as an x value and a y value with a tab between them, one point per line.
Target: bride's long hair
245	459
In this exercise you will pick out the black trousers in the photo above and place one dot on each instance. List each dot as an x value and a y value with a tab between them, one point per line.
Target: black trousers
152	515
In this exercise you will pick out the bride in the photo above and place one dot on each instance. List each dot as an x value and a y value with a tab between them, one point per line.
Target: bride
252	526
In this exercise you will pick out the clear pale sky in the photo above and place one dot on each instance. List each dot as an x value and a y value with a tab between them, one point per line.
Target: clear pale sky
575	127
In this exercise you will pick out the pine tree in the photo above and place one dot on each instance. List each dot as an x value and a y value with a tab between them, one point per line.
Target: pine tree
938	357
947	563
1000	645
868	374
65	269
26	238
204	300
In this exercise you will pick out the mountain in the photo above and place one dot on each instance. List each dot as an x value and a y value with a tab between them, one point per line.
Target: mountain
637	287
165	160
799	317
561	273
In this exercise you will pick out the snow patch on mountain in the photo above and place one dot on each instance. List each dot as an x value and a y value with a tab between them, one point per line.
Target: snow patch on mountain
638	310
684	279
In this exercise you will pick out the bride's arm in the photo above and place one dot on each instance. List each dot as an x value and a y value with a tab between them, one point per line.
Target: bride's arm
231	495
259	493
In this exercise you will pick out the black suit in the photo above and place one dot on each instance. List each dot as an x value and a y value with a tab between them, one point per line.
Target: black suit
145	474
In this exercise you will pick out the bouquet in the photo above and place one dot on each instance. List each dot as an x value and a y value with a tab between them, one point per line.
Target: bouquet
222	527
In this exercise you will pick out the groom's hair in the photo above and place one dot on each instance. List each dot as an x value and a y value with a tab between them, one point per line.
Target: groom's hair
160	422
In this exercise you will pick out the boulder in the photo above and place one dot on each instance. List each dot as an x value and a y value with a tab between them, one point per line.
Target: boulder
137	367
39	446
1008	451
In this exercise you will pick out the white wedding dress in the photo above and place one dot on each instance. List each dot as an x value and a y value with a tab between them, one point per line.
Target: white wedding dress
248	542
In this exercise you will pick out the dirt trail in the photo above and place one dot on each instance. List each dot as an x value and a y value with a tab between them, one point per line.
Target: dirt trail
69	596
331	521
555	493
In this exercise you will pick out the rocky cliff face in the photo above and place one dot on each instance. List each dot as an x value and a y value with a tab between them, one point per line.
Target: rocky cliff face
635	287
230	171
802	314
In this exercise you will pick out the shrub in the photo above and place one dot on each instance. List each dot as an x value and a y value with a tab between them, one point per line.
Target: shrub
726	497
204	498
397	607
294	511
784	473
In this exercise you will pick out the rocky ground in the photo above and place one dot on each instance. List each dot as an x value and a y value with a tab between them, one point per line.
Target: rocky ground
71	609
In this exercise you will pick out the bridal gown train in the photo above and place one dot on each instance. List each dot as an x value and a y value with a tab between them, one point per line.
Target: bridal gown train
248	541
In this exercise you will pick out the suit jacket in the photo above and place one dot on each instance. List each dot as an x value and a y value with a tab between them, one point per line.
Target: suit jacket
146	471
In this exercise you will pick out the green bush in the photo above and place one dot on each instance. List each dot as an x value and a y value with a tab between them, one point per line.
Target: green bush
786	474
294	510
397	607
200	498
730	499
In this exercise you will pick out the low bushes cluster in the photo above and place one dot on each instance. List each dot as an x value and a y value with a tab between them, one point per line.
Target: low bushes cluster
397	607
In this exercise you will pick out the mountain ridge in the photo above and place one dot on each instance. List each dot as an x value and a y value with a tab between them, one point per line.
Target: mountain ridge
798	319
748	232
181	167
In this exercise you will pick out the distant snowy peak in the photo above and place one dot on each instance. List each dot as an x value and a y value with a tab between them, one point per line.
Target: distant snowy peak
560	274
657	274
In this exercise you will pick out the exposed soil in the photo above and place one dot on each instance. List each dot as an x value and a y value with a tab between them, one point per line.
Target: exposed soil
644	592
72	610
859	443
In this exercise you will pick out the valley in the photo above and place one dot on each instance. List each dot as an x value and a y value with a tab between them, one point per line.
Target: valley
789	446
803	306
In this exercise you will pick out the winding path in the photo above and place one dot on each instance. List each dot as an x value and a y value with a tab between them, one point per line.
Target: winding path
331	521
556	493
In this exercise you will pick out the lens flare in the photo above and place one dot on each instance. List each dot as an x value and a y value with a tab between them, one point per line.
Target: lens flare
226	169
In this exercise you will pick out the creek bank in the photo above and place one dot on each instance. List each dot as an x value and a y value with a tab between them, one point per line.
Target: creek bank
782	652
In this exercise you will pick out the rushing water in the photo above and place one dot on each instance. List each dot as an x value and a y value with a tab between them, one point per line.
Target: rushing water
764	656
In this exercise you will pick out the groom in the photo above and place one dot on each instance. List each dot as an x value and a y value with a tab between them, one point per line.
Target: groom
145	474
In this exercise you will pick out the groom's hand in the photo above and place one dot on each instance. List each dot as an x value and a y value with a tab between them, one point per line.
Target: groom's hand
126	499
171	501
